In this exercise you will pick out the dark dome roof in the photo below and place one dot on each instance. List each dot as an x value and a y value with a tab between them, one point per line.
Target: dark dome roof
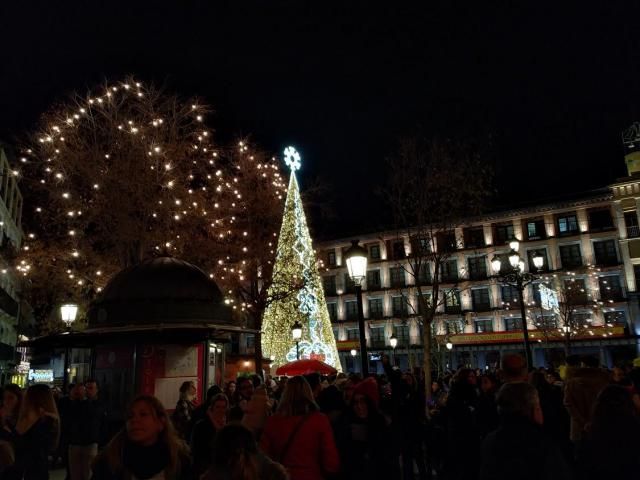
162	290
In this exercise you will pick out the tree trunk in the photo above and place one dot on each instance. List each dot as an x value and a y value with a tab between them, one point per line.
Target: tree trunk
257	353
426	363
567	346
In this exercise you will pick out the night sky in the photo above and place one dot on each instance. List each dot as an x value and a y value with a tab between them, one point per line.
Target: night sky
549	87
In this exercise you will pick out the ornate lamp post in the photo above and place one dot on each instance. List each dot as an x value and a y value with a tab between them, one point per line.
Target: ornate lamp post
68	313
296	333
516	277
356	260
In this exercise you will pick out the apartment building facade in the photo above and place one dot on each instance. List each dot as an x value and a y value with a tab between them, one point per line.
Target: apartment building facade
10	240
591	240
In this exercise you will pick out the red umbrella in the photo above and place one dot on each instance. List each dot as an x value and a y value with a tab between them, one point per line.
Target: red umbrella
302	367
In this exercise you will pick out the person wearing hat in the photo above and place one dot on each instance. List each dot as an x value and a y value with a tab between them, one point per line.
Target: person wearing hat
363	436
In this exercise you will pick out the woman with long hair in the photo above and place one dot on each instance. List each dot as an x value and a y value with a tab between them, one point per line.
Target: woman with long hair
11	400
36	435
236	457
299	436
147	448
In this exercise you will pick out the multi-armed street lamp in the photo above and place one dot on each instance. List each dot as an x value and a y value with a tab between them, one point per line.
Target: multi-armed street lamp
296	333
356	260
516	277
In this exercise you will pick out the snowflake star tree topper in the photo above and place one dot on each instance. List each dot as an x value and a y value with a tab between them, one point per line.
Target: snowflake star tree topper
292	158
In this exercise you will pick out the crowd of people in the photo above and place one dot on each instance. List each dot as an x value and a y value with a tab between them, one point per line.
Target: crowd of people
581	422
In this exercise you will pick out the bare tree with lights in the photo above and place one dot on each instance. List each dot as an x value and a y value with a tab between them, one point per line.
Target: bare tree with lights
433	187
129	172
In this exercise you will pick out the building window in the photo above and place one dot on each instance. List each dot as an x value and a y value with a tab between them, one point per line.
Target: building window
423	273
449	271
480	299
477	268
331	258
503	233
332	308
631	222
617	318
402	334
399	305
575	292
570	256
250	343
329	285
446	241
567	224
336	332
452	301
374	252
509	294
484	325
351	310
474	237
546	322
353	334
600	220
545	261
454	327
605	252
610	288
512	324
349	285
376	335
398	250
420	246
397	276
535	229
375	308
373	280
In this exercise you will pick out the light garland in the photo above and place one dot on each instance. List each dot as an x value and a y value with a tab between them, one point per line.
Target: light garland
296	264
130	171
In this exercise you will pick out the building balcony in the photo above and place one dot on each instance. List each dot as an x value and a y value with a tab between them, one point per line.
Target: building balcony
633	231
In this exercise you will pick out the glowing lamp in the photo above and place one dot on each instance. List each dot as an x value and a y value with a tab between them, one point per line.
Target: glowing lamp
393	340
296	331
354	352
538	260
496	263
514	259
449	345
68	313
356	259
514	244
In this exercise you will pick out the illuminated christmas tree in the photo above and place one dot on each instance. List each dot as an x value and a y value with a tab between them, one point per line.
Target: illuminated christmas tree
296	263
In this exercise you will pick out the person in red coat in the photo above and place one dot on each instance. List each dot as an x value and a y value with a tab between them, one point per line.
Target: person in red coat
299	436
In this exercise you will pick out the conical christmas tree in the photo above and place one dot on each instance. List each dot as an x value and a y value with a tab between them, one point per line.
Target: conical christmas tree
296	265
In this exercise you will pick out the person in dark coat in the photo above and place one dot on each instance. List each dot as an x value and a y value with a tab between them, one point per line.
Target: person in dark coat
205	431
148	447
185	406
362	437
36	435
487	410
461	426
612	440
200	412
519	448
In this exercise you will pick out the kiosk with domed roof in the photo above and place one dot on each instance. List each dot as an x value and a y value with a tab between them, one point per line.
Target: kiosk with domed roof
154	326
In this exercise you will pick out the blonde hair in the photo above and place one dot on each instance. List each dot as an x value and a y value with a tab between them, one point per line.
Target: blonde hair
297	398
168	436
38	401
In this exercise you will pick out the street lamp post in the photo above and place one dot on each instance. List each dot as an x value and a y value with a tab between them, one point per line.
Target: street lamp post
516	277
356	260
68	313
296	333
449	346
393	340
